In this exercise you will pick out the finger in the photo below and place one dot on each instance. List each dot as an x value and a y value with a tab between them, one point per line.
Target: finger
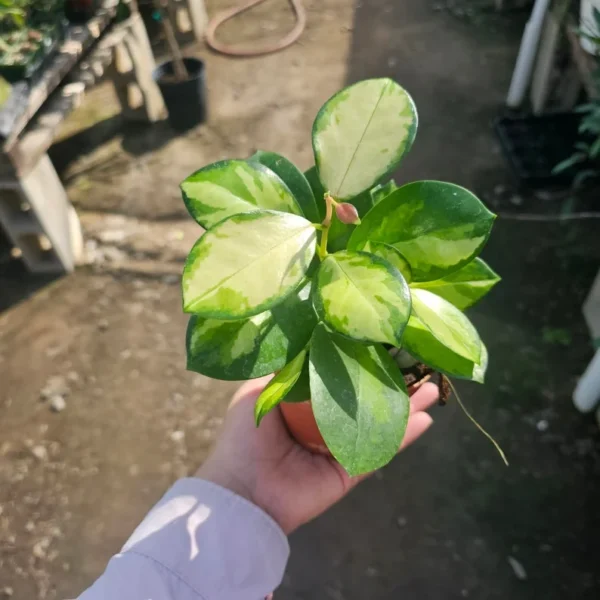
425	397
418	424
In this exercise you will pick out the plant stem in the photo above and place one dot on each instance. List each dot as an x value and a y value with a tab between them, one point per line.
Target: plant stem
326	225
472	419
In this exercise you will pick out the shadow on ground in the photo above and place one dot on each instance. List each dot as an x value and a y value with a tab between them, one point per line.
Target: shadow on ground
445	521
137	139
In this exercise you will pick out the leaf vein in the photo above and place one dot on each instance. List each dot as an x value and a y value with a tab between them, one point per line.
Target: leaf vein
362	137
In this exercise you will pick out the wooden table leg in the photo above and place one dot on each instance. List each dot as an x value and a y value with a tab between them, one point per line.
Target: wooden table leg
131	73
39	219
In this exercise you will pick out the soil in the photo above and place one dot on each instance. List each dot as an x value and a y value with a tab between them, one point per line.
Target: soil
99	416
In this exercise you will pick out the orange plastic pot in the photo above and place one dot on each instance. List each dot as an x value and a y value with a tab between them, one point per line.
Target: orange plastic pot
301	423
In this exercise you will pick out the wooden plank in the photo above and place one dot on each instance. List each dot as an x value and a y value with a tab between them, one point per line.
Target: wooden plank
46	241
41	131
129	37
132	74
25	100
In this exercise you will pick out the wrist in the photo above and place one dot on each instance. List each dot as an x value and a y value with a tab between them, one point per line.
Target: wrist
222	477
216	473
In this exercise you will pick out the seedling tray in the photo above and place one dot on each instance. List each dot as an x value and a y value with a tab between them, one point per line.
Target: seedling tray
533	146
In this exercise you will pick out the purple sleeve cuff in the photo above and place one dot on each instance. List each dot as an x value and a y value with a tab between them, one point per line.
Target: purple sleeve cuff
222	546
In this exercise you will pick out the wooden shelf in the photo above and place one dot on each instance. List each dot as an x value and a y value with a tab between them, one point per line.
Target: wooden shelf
26	98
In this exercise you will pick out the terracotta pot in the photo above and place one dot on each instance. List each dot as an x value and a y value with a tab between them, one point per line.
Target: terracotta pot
301	423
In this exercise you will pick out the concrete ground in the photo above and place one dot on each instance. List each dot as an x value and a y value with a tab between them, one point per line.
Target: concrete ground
446	520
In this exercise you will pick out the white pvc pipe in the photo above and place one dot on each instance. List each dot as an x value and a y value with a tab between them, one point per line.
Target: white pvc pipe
587	392
527	51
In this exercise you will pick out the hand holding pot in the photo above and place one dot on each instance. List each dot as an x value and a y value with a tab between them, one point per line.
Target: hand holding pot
266	466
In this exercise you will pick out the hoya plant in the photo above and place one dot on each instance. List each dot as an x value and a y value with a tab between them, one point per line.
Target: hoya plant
335	278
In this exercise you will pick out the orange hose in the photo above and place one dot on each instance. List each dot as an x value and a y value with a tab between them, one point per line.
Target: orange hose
287	40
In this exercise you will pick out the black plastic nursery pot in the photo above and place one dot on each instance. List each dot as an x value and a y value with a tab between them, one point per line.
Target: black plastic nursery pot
534	145
185	100
80	11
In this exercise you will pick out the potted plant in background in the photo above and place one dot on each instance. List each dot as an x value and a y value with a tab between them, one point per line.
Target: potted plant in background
583	164
347	289
180	80
29	33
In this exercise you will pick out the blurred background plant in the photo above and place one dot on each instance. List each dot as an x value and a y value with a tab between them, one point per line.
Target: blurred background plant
13	13
586	155
28	29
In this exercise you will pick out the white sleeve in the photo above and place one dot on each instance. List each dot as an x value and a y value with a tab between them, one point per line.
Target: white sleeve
200	542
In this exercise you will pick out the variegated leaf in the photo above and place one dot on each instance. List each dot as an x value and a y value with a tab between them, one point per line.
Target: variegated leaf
252	347
447	324
423	345
438	227
247	264
393	256
465	287
362	296
300	391
231	187
480	369
359	399
278	387
361	134
293	178
381	191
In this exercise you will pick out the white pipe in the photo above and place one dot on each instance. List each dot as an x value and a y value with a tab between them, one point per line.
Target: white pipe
587	392
527	52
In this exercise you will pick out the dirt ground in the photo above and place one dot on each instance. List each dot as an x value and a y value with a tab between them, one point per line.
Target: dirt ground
445	521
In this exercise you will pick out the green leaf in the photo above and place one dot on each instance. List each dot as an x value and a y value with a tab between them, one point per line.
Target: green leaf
422	344
359	399
312	176
465	287
362	296
379	192
480	369
438	227
247	264
447	324
293	178
300	392
568	163
360	135
393	256
583	176
595	148
231	187
252	347
278	387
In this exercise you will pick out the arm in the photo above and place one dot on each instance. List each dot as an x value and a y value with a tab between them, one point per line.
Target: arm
200	542
222	534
